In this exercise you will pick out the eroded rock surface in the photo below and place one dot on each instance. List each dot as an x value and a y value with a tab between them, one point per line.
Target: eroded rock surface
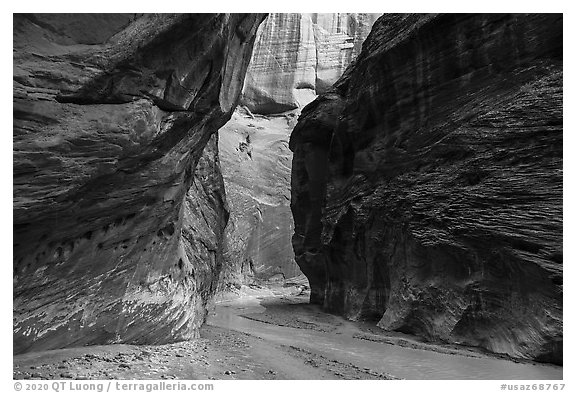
256	165
298	56
118	221
427	184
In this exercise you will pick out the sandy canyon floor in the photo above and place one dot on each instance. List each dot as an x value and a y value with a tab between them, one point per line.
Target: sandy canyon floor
276	334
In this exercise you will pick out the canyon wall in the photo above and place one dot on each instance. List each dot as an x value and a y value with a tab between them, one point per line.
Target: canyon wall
427	183
119	209
297	56
256	165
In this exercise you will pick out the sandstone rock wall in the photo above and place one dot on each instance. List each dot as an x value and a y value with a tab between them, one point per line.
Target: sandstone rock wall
297	56
427	184
118	213
256	165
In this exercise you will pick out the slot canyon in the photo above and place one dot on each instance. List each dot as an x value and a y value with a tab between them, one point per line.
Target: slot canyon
307	196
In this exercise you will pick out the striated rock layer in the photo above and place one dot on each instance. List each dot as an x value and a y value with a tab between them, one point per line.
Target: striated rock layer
427	184
295	57
298	56
118	213
256	165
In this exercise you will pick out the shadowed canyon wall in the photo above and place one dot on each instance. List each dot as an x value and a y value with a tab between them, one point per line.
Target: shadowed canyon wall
427	183
119	209
297	56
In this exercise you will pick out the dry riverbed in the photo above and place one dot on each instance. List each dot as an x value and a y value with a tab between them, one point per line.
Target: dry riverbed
275	334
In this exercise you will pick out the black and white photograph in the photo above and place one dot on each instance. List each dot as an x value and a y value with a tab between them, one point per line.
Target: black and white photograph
200	197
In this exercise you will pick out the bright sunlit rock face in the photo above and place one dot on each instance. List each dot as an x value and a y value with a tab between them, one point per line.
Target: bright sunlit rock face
297	56
256	164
